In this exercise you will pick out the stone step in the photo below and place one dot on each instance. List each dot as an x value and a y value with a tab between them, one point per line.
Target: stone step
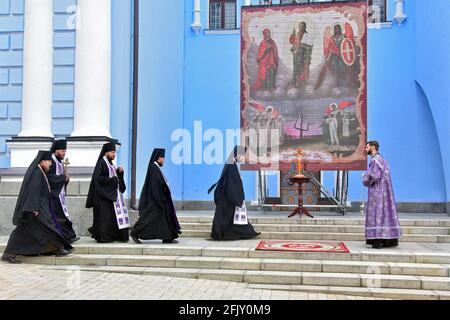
255	264
288	278
403	294
320	228
322	221
370	255
324	236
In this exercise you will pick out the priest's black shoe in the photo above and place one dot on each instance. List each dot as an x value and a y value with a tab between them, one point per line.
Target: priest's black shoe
63	252
170	241
135	239
11	259
377	246
73	240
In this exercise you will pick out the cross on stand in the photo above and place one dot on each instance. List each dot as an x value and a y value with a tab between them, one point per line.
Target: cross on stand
300	179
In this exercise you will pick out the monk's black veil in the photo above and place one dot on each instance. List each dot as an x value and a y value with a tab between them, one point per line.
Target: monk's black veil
28	200
238	150
143	200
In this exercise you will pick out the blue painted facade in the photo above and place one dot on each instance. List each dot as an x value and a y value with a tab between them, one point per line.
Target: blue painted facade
432	74
11	73
121	82
64	66
11	45
185	78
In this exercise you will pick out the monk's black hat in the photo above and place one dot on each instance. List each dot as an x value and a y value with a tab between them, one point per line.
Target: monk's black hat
108	147
59	145
46	155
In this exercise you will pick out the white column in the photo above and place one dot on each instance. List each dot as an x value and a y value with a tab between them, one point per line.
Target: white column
37	69
197	24
247	2
93	69
400	16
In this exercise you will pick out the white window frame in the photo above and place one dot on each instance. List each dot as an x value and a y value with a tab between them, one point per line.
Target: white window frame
208	30
385	24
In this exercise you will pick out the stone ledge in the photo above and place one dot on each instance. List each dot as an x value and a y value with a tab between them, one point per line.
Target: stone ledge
79	187
20	172
11	182
413	207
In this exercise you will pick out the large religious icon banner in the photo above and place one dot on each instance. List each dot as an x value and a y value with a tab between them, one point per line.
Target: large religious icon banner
304	84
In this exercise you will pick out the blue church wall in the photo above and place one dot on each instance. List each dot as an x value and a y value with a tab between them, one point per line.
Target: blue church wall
11	51
212	95
64	38
161	66
121	81
399	116
433	75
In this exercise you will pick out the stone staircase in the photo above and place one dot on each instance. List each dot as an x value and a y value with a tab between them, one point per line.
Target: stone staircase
338	229
398	275
413	271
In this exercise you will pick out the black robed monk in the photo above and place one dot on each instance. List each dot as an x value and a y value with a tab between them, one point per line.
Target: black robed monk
229	194
37	231
59	181
103	193
157	215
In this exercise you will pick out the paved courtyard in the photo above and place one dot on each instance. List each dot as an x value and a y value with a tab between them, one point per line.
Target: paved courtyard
50	282
32	282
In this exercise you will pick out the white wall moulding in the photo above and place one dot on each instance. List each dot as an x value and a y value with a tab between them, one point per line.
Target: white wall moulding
223	31
380	25
400	16
84	151
197	24
24	150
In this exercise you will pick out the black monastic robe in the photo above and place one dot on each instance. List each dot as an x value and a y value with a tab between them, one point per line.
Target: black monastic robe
103	193
57	183
228	195
35	235
157	216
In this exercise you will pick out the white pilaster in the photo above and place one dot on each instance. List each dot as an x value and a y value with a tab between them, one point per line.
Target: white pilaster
197	24
36	132
92	82
93	69
37	69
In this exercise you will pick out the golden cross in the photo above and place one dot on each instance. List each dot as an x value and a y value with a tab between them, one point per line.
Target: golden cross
66	162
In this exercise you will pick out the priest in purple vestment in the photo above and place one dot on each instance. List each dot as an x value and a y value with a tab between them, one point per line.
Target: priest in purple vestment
382	223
